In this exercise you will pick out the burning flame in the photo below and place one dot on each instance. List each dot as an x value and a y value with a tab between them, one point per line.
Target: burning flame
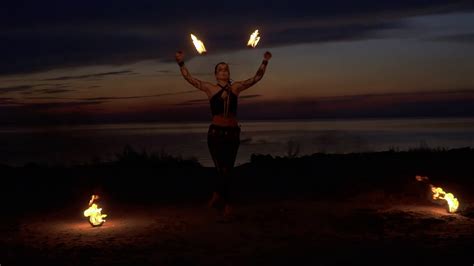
198	44
96	218
439	193
254	38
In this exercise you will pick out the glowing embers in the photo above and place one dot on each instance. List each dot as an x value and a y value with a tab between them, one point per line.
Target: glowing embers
96	218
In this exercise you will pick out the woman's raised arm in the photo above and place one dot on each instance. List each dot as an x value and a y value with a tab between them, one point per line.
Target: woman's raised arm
243	85
201	85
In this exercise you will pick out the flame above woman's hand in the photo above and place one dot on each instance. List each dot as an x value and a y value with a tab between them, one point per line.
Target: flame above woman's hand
198	44
254	39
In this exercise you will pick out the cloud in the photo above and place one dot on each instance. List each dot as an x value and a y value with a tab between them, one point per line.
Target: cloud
138	97
28	106
88	76
165	71
454	102
31	88
7	101
175	74
457	38
18	88
113	98
52	91
39	35
58	105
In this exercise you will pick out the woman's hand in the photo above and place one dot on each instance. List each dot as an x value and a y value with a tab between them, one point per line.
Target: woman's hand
179	56
267	55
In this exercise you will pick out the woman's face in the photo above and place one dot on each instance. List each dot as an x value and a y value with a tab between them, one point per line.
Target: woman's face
222	72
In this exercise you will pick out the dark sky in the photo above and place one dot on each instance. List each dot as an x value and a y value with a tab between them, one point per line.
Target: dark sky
112	61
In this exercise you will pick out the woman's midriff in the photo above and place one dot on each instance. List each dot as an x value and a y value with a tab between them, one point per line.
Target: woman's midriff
220	120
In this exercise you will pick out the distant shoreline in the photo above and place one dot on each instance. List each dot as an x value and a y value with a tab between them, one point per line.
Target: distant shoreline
83	143
207	121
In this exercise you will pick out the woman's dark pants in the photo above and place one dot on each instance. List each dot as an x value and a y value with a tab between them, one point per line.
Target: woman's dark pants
223	143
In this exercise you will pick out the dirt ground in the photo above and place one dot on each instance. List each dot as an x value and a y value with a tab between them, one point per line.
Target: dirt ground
287	232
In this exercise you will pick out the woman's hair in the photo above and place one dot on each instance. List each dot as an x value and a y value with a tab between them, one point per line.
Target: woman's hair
220	63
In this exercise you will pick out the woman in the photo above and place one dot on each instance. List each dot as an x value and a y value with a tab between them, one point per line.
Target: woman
224	132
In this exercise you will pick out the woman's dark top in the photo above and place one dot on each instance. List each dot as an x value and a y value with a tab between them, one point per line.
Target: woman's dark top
226	106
